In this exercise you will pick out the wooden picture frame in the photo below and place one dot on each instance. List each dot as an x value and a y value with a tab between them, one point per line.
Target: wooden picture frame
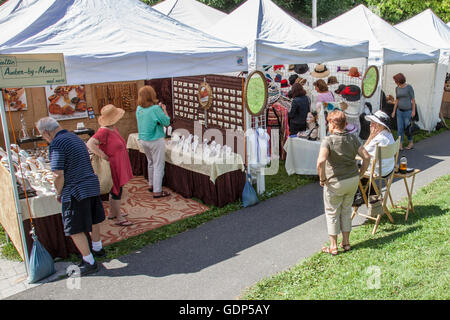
205	95
255	86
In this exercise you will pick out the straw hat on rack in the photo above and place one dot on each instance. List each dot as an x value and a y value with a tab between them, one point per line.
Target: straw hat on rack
320	71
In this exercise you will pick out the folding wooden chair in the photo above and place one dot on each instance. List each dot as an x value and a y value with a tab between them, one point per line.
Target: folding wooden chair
381	153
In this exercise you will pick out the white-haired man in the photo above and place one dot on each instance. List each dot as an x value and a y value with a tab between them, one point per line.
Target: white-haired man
78	190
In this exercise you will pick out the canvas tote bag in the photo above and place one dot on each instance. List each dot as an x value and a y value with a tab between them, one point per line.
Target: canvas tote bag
103	171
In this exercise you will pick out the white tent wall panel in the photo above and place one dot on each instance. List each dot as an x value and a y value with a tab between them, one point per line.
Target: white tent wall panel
421	77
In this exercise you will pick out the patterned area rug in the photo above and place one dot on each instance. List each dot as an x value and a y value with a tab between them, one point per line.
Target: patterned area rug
145	212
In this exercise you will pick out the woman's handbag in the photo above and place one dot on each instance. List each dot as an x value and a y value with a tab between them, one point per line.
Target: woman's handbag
103	171
412	127
249	197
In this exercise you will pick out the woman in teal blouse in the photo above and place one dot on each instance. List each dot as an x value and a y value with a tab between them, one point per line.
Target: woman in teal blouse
152	117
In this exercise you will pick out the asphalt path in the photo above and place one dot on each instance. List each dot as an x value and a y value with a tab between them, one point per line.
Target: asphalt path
219	259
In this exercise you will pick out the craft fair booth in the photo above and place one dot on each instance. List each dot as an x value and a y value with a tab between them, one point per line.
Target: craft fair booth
275	40
94	74
426	27
213	181
393	51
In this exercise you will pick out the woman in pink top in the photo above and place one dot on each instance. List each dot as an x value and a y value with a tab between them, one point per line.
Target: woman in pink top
108	144
322	89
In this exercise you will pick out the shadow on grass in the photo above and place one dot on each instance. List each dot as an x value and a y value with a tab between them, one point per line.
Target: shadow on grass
387	232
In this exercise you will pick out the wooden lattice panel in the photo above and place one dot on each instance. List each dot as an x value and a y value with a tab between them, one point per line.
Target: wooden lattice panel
226	111
122	95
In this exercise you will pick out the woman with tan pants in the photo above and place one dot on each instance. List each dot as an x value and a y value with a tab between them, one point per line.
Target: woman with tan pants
338	173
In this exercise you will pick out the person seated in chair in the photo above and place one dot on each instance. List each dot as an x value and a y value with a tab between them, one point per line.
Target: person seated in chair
312	130
380	134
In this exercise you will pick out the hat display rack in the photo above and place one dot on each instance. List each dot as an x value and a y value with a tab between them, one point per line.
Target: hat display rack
350	75
334	74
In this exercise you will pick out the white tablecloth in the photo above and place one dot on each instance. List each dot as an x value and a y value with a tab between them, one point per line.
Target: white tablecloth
43	205
301	156
213	167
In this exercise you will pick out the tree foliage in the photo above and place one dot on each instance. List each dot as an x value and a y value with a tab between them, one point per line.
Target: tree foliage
393	11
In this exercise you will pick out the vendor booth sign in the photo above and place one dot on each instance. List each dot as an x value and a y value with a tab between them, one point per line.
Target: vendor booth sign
28	70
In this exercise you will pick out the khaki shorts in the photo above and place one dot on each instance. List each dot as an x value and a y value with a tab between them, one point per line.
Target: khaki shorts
338	199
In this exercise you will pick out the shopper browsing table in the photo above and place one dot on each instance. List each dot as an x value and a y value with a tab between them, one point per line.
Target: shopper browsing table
108	144
77	188
299	110
338	173
152	117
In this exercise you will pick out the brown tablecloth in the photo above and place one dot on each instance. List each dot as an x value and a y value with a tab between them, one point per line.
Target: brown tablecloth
226	189
50	233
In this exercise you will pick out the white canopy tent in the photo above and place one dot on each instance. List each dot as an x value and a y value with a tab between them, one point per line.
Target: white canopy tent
272	37
190	12
395	52
114	40
428	28
110	40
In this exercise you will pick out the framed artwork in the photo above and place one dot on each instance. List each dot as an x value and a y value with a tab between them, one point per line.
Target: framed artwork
66	102
205	95
15	98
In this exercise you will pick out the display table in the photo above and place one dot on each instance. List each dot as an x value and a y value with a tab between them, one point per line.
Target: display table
46	214
301	156
215	183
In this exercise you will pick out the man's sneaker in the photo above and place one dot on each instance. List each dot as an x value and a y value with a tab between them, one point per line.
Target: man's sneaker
82	269
99	254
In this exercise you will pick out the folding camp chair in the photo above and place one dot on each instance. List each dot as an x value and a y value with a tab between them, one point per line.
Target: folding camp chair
381	153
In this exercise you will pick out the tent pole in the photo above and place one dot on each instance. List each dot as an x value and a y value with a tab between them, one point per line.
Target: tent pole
314	13
14	182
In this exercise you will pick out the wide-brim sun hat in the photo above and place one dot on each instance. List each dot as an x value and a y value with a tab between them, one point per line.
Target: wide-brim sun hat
110	114
380	117
320	71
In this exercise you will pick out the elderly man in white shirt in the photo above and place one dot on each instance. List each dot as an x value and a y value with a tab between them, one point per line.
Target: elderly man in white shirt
380	133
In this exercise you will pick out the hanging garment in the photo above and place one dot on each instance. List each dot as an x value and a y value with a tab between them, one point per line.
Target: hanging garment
263	146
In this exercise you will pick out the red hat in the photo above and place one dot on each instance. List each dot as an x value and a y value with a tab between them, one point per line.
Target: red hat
278	66
284	83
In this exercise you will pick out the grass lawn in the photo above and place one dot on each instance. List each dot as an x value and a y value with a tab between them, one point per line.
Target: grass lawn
275	185
406	260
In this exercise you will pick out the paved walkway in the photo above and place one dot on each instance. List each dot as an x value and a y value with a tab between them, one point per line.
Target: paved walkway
219	259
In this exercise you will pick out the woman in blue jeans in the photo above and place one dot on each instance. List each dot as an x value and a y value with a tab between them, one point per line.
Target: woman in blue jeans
405	106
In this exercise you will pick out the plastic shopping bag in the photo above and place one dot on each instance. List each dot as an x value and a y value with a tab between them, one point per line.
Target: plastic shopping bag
249	197
41	262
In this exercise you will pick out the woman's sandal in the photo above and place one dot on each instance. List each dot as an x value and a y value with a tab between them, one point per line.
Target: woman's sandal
124	223
163	194
123	215
333	252
346	247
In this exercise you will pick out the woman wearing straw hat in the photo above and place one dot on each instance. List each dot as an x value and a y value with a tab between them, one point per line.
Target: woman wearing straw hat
152	117
108	144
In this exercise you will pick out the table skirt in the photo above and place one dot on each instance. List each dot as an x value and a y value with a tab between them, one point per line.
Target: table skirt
226	189
50	233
